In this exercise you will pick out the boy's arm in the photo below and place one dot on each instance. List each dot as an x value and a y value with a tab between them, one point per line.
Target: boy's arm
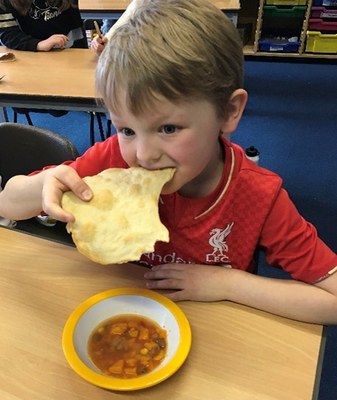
27	196
287	298
290	242
22	197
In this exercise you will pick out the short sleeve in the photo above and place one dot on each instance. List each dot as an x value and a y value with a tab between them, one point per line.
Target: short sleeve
292	243
101	156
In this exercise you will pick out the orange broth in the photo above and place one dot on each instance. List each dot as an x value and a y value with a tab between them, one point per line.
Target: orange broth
127	346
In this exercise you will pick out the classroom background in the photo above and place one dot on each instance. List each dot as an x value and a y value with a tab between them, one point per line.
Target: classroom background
291	119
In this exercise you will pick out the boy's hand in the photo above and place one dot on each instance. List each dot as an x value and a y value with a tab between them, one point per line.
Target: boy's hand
189	281
98	43
56	181
54	41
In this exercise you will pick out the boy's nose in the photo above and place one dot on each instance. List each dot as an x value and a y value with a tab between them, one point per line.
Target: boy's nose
147	152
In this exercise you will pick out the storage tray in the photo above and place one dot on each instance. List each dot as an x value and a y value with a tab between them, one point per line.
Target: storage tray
278	45
286	2
322	12
288	12
324	3
319	24
318	42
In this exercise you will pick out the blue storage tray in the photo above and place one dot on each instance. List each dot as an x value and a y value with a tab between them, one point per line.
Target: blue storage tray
278	45
324	3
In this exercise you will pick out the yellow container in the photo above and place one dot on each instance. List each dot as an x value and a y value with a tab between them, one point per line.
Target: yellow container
318	42
286	2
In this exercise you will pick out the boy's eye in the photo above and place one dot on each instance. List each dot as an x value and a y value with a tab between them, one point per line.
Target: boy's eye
127	131
169	129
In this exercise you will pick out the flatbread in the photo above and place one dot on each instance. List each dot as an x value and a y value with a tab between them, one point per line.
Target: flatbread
121	222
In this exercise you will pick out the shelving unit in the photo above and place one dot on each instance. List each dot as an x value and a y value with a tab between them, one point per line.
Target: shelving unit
290	28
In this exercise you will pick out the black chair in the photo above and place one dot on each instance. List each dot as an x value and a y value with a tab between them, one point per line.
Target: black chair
26	148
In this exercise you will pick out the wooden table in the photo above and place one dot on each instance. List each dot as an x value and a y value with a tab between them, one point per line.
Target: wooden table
114	8
237	353
59	79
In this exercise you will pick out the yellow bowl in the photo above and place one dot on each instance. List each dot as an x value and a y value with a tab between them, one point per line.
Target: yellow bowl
102	306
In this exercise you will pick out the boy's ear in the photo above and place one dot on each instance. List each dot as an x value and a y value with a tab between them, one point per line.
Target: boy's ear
234	110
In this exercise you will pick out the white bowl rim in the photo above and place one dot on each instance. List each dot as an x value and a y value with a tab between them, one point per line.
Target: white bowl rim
143	381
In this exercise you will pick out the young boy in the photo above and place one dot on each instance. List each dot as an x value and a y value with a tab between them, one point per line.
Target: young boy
171	77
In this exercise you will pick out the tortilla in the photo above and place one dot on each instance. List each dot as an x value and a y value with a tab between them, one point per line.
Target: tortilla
121	221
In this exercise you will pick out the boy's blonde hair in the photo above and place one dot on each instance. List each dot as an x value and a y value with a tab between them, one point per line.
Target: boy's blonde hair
182	50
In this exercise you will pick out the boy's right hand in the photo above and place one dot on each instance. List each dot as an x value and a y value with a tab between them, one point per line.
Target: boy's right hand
54	41
56	181
98	43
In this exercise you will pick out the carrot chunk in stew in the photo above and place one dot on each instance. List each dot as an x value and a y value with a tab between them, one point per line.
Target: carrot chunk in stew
127	346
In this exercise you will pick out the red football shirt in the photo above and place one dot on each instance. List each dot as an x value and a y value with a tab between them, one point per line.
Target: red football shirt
248	209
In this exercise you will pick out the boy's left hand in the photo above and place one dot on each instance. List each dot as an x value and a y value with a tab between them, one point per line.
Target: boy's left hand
188	281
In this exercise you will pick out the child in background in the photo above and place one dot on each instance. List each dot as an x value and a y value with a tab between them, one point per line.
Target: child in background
171	77
98	43
41	25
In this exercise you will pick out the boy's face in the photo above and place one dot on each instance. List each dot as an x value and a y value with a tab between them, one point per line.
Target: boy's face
179	135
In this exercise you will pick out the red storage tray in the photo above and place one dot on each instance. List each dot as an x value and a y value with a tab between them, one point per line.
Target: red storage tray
317	24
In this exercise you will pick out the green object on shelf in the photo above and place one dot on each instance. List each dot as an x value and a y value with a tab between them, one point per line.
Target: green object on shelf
286	2
288	12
